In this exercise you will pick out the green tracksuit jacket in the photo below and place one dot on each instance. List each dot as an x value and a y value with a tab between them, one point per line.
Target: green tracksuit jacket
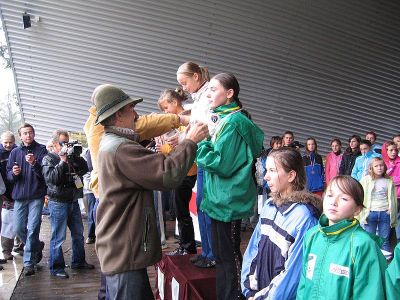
392	276
229	188
341	261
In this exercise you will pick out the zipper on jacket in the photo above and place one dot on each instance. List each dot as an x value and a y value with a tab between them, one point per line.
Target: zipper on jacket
146	231
317	286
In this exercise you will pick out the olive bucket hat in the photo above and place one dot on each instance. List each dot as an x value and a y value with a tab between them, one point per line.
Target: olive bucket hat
108	99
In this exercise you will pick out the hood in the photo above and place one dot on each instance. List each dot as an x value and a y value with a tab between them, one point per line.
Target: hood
312	201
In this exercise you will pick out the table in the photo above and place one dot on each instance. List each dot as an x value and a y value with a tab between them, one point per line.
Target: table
178	279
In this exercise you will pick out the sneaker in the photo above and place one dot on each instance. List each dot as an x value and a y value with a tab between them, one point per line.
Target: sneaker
40	253
205	263
84	266
178	251
8	256
28	271
90	240
3	260
195	258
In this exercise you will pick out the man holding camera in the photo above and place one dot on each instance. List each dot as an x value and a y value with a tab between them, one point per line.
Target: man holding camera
63	170
24	170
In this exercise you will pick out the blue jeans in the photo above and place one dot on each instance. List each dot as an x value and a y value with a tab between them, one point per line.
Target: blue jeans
379	221
61	216
28	218
204	219
91	200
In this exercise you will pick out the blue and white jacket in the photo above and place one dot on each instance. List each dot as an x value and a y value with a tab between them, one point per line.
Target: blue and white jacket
360	168
273	259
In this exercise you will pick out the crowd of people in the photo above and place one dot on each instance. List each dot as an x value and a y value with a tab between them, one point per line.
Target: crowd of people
321	229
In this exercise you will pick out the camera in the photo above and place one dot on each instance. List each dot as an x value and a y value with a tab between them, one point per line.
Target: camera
74	149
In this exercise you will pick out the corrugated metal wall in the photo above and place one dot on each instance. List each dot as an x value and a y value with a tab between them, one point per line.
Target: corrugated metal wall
319	68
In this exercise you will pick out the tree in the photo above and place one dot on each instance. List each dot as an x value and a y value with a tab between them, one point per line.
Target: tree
10	115
4	52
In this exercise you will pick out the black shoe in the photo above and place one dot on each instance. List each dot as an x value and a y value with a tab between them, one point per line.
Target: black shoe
3	260
1	268
195	258
40	253
61	274
205	263
28	271
90	240
84	266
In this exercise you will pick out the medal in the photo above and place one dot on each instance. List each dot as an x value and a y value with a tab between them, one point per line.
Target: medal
312	172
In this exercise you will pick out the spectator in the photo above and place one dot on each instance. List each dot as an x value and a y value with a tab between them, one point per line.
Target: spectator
393	170
380	202
350	155
7	236
288	138
230	191
371	136
272	261
333	160
128	174
314	167
24	170
341	260
274	143
63	171
396	140
361	164
91	200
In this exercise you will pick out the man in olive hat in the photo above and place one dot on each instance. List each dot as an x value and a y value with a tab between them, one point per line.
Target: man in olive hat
127	241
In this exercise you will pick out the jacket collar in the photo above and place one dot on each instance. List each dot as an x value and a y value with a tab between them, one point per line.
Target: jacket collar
285	204
227	109
124	132
335	229
31	146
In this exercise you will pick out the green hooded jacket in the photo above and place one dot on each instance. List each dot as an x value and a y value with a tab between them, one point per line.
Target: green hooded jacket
392	276
341	261
229	191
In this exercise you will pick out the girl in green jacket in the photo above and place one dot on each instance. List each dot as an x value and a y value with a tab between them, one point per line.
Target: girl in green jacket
229	185
340	259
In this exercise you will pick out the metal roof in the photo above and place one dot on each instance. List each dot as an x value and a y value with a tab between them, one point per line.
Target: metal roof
320	68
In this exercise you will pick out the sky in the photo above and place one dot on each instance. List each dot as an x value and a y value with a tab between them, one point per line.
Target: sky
6	77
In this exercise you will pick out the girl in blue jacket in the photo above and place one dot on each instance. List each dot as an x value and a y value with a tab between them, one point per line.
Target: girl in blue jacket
272	261
314	167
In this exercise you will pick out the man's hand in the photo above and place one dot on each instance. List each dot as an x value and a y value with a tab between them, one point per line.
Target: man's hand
30	158
16	170
63	153
197	132
184	119
173	140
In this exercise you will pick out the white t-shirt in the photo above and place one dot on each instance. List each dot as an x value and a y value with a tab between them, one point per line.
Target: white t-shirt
379	196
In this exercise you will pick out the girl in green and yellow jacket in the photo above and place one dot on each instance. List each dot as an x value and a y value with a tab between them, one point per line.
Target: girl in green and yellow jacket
340	259
229	186
380	202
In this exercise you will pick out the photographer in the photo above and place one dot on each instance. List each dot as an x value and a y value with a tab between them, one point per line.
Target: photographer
63	170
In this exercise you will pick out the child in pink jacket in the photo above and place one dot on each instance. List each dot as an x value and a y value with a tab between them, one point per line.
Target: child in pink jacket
333	160
392	161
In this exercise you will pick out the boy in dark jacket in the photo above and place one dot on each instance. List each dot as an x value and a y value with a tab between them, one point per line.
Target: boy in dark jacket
24	170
